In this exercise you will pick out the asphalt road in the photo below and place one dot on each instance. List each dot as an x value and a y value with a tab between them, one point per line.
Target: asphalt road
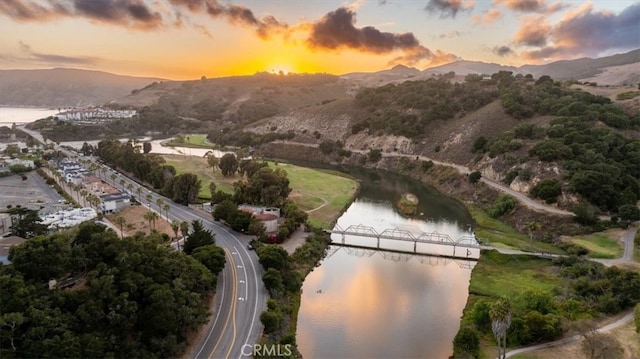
241	296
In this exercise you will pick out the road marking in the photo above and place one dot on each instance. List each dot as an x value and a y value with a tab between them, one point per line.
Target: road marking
235	293
215	320
239	266
233	303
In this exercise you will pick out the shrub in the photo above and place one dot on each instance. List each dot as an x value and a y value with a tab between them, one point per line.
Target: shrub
479	145
547	190
503	205
466	343
474	177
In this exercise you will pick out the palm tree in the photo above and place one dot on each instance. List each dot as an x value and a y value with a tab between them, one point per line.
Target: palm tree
113	178
166	209
139	191
130	188
500	313
159	203
149	198
120	221
175	226
184	228
122	182
149	217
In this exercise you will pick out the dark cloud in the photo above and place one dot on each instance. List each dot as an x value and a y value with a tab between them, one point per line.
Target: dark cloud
337	30
131	13
24	10
540	6
450	34
52	60
584	32
502	51
124	12
448	8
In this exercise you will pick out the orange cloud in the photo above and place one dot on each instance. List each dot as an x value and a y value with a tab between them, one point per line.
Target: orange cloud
533	32
540	6
488	17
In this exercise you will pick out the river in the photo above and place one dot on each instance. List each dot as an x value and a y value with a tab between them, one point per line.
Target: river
375	304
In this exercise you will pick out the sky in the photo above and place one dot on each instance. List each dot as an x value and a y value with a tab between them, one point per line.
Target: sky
188	39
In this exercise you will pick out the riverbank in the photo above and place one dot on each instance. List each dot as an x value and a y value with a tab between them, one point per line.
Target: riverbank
519	228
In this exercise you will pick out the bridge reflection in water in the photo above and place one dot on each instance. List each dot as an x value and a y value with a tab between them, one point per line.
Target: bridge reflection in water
401	256
402	241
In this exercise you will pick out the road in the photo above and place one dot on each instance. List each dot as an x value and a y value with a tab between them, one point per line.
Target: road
240	297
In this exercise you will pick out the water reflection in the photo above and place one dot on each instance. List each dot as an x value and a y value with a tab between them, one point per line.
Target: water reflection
363	303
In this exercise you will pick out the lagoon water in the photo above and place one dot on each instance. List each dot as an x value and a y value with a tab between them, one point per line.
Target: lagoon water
21	115
362	303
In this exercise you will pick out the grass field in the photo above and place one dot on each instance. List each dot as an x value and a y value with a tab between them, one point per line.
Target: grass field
602	244
194	141
324	193
500	235
498	275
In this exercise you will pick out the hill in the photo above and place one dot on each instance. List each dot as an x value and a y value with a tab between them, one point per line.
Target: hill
65	87
626	66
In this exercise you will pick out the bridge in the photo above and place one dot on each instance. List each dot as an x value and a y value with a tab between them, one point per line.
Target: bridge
396	256
467	241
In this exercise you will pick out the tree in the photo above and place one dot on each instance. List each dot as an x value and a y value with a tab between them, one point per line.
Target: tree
198	237
166	207
212	189
139	192
120	221
151	216
475	176
500	313
547	189
466	343
211	256
183	188
25	222
184	228
11	320
228	164
146	147
273	256
213	162
272	279
629	212
175	227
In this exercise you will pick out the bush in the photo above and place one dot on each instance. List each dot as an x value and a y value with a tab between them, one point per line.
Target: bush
426	165
548	190
375	155
479	145
503	205
466	343
475	176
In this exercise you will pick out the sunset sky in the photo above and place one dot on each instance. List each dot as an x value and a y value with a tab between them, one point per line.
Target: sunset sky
186	39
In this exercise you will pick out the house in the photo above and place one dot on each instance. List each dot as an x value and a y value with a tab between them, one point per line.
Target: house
267	215
270	221
113	202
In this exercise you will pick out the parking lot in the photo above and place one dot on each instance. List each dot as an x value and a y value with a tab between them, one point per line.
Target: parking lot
14	191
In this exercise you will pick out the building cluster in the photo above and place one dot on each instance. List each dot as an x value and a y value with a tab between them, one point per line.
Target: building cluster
68	217
94	113
109	198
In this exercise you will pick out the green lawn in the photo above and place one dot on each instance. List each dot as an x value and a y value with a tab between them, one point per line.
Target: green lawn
501	235
311	188
602	244
498	275
193	140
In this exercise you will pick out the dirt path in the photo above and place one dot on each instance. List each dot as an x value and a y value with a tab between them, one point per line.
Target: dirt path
324	203
465	170
622	321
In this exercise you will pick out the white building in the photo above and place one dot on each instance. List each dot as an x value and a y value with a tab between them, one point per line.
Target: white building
113	202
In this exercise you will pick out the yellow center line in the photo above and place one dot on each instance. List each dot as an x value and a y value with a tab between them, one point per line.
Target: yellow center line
234	285
234	304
